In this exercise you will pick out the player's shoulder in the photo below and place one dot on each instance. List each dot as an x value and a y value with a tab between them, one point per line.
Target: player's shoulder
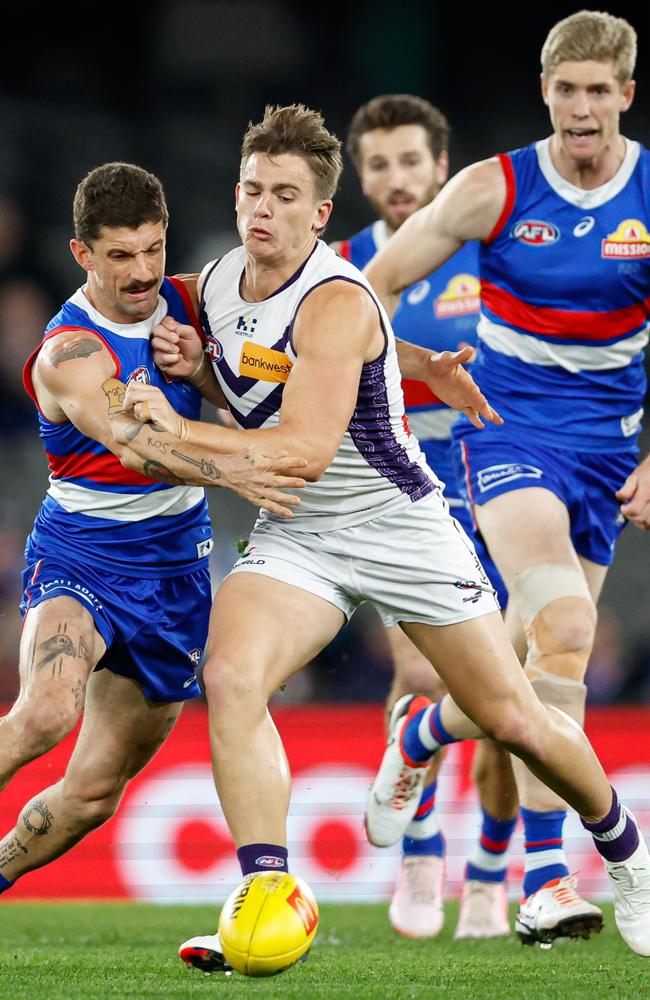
69	344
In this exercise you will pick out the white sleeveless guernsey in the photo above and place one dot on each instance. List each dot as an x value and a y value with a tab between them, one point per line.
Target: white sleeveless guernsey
379	463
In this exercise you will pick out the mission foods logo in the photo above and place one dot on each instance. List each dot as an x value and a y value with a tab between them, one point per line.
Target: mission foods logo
461	297
534	233
264	364
630	239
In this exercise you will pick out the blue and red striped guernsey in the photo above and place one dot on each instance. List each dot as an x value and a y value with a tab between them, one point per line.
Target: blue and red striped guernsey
565	303
96	509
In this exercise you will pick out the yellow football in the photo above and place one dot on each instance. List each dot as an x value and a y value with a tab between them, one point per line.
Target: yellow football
268	923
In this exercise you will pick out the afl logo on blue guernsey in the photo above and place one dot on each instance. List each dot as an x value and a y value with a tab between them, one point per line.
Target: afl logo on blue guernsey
534	233
215	348
139	375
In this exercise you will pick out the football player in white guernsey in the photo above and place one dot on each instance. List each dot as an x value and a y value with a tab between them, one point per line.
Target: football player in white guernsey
544	488
399	146
117	576
305	357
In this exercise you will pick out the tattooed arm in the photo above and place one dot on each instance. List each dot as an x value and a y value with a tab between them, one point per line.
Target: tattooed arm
256	474
68	374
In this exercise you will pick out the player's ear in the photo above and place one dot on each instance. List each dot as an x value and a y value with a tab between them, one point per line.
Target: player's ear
543	79
627	94
83	254
442	168
237	190
323	212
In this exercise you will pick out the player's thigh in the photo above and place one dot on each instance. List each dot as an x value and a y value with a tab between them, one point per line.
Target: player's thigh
266	630
59	647
120	733
413	672
480	669
525	528
595	575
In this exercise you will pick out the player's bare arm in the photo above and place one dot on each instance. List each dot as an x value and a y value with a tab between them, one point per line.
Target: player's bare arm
467	208
252	473
337	329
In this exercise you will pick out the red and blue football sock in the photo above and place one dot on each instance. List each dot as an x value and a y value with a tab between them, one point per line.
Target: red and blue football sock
424	734
544	859
4	884
488	862
422	834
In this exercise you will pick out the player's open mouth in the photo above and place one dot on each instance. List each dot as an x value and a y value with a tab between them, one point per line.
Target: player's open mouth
581	133
260	234
138	293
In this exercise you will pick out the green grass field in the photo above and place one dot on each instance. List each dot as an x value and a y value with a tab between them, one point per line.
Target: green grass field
64	952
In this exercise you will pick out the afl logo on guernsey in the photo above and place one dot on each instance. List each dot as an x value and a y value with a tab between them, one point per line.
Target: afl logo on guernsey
214	348
139	375
534	233
630	239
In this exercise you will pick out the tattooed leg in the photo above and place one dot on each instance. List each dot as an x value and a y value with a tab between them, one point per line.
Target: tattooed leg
120	733
59	649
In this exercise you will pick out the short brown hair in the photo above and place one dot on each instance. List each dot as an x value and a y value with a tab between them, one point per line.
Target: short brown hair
299	130
592	34
116	195
388	111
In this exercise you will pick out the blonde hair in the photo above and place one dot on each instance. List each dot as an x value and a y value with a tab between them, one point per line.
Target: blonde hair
592	34
299	130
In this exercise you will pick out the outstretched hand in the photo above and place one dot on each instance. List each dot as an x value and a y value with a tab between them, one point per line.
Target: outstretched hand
452	384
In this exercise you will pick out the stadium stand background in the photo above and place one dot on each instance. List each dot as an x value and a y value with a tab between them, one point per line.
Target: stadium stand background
171	86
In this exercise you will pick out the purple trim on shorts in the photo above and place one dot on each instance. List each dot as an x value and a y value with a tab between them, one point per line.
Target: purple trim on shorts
371	430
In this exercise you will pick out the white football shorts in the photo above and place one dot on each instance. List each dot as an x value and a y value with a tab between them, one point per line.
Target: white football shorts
414	563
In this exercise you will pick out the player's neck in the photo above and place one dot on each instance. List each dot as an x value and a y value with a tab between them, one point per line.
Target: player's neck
262	278
589	174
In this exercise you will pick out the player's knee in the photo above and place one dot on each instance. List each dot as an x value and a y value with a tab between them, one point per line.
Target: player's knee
228	686
46	725
511	728
567	624
94	801
555	602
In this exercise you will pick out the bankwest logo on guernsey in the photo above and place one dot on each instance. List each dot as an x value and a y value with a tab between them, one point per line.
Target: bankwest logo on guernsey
264	364
631	239
461	297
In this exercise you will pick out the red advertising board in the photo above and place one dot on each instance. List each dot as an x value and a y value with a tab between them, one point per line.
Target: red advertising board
169	841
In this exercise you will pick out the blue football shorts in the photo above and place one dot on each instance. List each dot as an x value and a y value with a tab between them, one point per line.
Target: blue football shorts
493	461
439	457
155	630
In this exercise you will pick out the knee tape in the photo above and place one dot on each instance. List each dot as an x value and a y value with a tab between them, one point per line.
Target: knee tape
537	586
561	692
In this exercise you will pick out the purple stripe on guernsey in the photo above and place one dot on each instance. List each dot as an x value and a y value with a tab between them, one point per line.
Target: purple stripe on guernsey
373	434
260	414
370	427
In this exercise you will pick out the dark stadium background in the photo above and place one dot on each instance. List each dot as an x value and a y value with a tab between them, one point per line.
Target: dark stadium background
171	86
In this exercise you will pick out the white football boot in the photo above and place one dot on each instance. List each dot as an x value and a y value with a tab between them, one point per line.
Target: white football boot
483	910
395	794
631	887
204	953
416	907
557	910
